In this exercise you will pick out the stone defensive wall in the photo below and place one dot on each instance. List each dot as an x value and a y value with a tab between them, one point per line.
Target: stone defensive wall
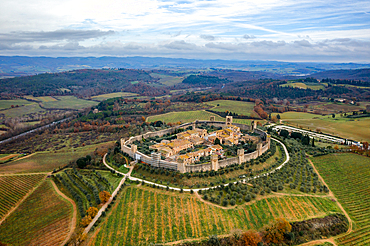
155	158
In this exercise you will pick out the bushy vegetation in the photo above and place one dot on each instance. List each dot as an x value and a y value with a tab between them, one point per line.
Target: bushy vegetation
281	232
86	82
84	187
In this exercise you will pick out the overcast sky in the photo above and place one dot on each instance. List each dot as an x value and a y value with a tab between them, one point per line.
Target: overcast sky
285	30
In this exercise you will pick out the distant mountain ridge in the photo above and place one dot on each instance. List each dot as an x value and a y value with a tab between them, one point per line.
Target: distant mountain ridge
355	74
11	66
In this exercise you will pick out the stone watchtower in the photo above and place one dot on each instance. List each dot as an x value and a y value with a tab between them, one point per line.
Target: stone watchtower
240	156
133	149
155	159
259	149
253	125
214	163
268	140
229	120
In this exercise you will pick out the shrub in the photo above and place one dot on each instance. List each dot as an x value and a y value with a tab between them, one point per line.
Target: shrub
251	238
232	202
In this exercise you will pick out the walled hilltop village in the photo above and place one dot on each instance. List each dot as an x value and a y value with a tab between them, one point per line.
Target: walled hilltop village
170	153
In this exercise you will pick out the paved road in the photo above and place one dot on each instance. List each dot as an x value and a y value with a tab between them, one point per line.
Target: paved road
104	207
314	134
33	130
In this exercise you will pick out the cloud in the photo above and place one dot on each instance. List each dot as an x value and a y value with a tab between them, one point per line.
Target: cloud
249	36
303	43
207	37
58	35
180	45
177	34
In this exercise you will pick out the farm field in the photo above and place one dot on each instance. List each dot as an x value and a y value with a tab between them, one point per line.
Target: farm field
184	116
167	79
357	129
42	99
348	177
29	108
6	104
42	219
7	157
14	188
46	161
113	95
143	215
241	108
295	85
301	85
69	102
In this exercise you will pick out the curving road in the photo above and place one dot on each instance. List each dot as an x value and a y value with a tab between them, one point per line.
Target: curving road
128	175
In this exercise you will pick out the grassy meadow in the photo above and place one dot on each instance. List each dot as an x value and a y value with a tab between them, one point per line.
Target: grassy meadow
301	85
47	161
113	95
357	129
6	104
184	116
241	108
167	79
29	108
69	102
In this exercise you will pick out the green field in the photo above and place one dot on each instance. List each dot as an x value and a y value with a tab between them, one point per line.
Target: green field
241	108
301	85
69	102
295	85
46	161
167	79
42	219
14	188
113	95
143	215
348	176
357	129
184	116
42	99
30	108
6	104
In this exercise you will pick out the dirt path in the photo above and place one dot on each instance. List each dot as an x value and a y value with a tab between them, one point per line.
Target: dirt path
329	240
210	203
24	157
336	200
20	201
74	218
19	174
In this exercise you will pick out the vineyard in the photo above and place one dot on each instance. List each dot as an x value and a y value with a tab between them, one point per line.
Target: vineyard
14	188
42	219
347	175
143	215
